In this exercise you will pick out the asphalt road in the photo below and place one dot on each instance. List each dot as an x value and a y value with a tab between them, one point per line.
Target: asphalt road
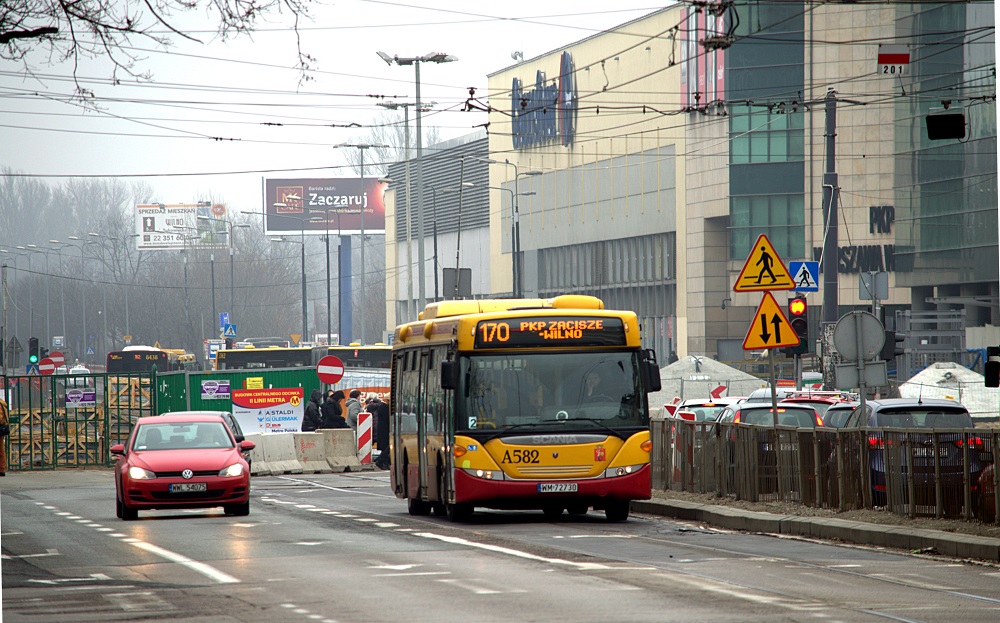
340	547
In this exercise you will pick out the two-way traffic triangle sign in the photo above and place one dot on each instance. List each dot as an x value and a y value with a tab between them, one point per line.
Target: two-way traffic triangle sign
770	328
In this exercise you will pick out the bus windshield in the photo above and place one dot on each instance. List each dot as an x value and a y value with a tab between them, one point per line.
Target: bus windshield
535	391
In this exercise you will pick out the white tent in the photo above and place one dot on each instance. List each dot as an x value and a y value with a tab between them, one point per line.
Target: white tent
954	382
697	377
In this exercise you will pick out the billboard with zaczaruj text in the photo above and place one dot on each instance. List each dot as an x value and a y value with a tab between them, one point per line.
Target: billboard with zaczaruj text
161	226
317	206
269	410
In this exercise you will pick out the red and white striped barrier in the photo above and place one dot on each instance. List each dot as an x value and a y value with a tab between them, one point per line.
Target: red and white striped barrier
365	438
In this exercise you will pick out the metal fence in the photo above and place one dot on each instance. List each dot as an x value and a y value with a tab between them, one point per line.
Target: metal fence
71	420
930	473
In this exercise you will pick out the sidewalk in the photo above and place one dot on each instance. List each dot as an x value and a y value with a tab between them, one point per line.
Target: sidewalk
896	537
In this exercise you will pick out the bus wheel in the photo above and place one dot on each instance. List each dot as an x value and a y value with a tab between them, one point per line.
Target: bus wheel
617	511
552	512
458	512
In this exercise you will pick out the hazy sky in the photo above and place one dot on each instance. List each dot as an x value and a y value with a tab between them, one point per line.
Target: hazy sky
166	129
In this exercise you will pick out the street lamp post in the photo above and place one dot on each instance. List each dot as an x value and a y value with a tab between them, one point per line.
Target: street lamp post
232	266
436	57
513	220
104	291
48	327
76	242
31	304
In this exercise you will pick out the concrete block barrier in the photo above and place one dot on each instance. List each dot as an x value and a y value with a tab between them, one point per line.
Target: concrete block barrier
341	449
258	465
279	453
310	452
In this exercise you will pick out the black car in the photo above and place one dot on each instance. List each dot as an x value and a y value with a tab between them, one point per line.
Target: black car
929	437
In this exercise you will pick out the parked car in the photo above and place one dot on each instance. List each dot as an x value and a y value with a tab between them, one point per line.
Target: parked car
185	460
836	414
704	410
940	424
761	414
819	402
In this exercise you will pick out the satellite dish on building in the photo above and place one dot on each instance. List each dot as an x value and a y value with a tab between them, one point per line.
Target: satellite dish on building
517	55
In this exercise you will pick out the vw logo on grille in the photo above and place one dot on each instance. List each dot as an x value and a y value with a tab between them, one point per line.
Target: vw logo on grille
187	474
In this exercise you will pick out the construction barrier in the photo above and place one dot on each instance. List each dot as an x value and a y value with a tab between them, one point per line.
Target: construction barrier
340	449
326	450
309	452
365	438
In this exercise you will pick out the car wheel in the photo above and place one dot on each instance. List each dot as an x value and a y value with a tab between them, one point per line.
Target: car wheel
128	514
238	510
118	508
617	511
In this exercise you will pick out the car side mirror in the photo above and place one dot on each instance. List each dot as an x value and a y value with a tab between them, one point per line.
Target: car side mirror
449	375
118	449
247	446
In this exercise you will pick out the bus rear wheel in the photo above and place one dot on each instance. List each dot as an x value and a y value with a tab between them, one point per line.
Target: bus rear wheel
617	511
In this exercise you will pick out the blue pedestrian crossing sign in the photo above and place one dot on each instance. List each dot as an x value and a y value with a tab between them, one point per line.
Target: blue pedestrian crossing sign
31	368
90	350
805	275
230	330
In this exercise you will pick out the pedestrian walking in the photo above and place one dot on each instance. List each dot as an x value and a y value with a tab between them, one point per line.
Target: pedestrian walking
4	432
311	420
353	406
333	412
381	414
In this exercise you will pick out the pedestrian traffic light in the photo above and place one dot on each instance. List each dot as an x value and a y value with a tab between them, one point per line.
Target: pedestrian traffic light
992	368
798	317
32	350
893	346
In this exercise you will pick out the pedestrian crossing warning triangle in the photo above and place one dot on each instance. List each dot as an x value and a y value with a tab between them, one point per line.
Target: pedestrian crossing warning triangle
764	270
770	328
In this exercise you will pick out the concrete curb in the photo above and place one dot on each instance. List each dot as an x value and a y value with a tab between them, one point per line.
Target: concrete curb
897	537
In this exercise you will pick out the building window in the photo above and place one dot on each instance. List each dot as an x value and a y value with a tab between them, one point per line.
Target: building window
759	135
780	217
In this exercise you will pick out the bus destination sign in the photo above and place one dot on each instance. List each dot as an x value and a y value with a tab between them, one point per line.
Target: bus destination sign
549	331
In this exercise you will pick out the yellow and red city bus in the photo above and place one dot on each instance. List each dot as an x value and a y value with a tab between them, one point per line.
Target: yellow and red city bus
494	405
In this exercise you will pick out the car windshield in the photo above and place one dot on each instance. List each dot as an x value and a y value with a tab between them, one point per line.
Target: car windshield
182	435
539	390
924	416
801	418
704	413
837	417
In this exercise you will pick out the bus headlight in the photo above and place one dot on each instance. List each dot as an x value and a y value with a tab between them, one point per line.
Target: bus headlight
485	474
623	470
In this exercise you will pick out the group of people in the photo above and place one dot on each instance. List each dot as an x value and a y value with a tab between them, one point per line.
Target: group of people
328	412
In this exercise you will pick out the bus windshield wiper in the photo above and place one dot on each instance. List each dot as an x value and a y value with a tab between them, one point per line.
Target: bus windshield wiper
600	423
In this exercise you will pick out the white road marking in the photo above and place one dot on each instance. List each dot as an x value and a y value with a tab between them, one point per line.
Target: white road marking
386	524
406	575
397	567
48	552
200	567
585	566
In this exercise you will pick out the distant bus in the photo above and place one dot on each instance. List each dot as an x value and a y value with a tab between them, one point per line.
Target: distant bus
139	359
267	342
264	357
357	356
521	404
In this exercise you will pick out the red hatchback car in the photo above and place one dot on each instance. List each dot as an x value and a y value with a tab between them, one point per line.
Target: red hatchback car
181	461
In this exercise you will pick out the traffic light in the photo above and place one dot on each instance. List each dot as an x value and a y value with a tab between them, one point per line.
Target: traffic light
992	367
32	350
893	346
42	352
798	317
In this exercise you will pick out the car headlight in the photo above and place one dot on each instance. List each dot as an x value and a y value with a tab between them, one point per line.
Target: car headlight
236	469
138	473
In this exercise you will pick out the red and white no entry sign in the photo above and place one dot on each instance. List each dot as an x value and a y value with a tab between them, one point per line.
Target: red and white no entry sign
57	358
46	366
330	369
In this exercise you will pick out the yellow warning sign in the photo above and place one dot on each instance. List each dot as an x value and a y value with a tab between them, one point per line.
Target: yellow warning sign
763	270
296	337
770	328
157	345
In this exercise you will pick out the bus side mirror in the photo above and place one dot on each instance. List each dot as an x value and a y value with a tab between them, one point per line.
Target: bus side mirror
449	375
652	371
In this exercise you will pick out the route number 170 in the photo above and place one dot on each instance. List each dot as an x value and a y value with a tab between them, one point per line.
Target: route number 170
494	332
